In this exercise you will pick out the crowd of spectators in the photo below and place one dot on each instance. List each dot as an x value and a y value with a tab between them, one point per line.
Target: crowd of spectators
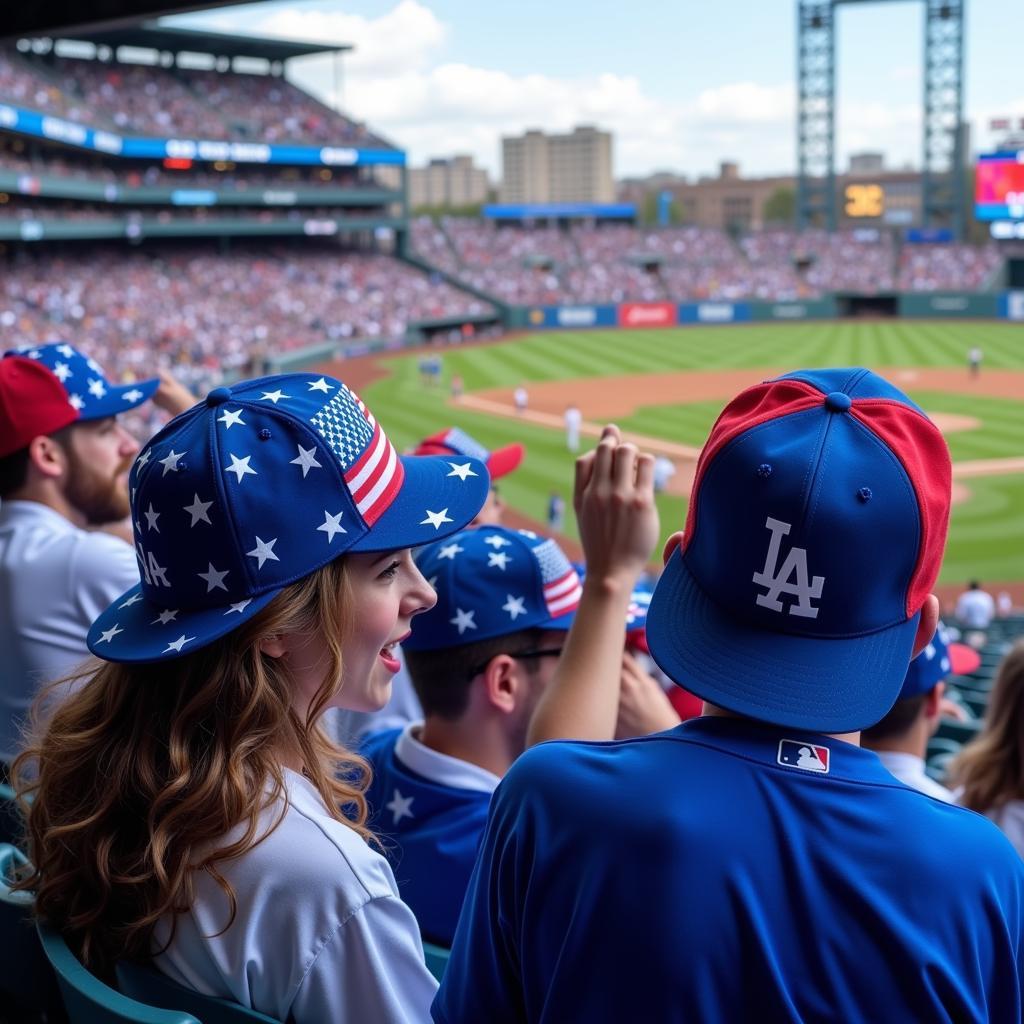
196	310
619	263
928	268
157	101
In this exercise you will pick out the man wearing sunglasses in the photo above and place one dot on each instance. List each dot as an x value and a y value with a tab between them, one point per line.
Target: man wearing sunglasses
479	661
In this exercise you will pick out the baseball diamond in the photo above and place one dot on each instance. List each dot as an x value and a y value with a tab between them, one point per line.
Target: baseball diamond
664	387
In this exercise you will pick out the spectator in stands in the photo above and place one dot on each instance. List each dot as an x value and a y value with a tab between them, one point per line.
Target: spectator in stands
482	659
756	863
975	608
901	738
64	456
989	771
188	809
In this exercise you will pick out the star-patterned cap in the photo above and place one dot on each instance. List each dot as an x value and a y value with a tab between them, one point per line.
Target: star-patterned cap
492	581
453	441
87	387
939	659
256	487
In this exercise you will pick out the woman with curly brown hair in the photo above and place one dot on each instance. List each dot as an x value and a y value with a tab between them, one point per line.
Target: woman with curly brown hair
989	771
186	806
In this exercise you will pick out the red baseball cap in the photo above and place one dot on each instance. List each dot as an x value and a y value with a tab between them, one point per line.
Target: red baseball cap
453	441
32	402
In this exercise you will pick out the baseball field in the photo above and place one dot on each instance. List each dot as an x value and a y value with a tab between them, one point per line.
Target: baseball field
666	386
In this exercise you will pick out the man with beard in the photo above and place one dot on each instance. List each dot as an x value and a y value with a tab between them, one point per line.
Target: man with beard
64	460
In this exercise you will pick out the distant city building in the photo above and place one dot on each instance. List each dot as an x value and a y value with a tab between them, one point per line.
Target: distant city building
453	183
573	168
866	196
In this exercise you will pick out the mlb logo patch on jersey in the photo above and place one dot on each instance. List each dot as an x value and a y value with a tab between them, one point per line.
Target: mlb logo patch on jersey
808	756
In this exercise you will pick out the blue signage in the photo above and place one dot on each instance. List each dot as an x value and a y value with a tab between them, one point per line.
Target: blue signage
712	312
572	316
549	211
28	122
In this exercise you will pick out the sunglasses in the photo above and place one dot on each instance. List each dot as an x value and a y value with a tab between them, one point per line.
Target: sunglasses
540	652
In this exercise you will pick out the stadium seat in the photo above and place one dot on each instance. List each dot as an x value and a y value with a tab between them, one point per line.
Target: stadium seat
959	732
88	1001
10	816
437	959
140	981
27	986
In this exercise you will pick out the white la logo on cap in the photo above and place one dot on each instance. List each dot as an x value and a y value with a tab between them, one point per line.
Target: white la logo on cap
778	582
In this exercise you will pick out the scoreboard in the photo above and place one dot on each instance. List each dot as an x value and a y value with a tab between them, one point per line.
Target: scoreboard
999	186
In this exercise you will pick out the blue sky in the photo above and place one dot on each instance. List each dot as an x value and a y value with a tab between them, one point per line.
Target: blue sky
681	84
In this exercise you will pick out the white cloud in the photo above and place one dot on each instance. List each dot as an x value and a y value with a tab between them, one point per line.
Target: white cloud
399	81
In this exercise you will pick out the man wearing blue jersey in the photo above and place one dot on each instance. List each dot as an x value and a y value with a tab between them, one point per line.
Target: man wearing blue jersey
756	863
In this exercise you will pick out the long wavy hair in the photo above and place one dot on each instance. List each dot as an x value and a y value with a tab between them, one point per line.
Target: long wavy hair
133	782
991	767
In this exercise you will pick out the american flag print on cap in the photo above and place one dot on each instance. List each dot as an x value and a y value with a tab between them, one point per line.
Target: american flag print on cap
562	587
370	463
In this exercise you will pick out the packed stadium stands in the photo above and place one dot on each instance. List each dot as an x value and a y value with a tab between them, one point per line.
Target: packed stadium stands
616	263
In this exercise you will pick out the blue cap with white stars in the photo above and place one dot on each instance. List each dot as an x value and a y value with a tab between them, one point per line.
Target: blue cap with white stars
492	581
83	379
256	487
941	658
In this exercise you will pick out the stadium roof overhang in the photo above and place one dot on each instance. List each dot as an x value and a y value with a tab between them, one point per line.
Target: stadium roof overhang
49	17
154	36
171	39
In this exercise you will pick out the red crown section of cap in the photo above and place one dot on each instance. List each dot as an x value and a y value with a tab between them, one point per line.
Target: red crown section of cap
768	401
921	450
32	402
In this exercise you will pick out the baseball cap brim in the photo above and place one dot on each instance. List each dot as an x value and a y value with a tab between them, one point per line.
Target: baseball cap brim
828	685
135	633
963	660
120	398
503	460
430	485
439	496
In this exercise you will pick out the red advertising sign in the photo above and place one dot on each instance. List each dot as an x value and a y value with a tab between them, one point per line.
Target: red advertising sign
648	314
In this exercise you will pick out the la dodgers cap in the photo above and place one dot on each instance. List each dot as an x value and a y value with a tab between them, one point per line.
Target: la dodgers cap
940	658
32	402
814	534
256	487
455	441
87	387
492	581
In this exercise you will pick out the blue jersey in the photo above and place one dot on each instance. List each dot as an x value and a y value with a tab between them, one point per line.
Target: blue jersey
430	822
727	871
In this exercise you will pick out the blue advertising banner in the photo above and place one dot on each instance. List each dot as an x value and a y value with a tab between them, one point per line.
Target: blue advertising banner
1011	305
28	122
713	312
572	316
547	211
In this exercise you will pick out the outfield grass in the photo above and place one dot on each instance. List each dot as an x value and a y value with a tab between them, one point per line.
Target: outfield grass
987	532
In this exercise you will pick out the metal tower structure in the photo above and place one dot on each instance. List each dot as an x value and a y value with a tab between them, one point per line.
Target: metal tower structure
942	167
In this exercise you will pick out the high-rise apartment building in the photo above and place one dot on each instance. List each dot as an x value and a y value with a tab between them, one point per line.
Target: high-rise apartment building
453	183
573	168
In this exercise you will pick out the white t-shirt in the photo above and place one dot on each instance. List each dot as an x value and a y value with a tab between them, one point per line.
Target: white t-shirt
1010	818
54	580
975	609
910	771
320	934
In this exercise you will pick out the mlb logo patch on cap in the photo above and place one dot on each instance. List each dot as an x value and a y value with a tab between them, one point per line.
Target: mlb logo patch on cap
808	757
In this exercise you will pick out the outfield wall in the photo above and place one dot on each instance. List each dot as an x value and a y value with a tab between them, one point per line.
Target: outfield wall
936	305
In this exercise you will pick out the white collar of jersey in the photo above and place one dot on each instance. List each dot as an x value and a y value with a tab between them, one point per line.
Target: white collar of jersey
441	768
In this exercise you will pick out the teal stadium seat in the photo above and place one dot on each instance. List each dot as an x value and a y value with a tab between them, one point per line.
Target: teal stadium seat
28	989
437	959
146	983
89	1001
